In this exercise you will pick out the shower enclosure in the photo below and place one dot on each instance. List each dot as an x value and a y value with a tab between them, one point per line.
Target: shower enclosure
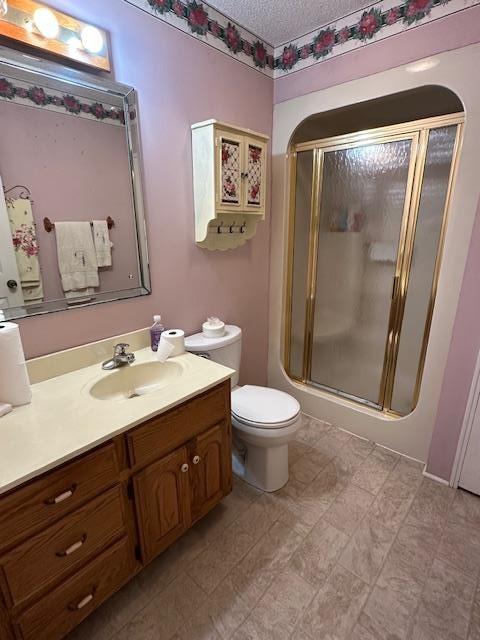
367	219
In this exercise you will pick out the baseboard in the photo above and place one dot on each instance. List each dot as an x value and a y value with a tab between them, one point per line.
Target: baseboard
430	476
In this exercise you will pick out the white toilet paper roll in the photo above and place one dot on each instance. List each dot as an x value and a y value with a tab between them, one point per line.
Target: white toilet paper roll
175	338
14	381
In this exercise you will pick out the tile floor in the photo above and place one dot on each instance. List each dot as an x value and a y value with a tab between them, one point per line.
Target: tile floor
357	546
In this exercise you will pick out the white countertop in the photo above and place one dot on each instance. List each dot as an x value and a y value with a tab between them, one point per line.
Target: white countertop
64	420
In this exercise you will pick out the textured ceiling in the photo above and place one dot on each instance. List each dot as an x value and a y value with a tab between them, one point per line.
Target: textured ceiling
280	21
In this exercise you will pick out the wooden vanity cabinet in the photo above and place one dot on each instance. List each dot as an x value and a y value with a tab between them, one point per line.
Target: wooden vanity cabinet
72	537
162	503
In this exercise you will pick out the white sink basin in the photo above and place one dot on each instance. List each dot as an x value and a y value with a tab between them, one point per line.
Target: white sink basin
135	380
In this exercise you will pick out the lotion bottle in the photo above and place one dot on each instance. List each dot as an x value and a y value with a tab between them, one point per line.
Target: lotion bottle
155	332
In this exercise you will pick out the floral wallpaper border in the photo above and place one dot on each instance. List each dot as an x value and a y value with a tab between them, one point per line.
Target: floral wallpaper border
382	19
21	92
207	24
379	21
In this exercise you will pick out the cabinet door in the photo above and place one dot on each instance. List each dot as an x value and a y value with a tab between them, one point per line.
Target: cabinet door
210	465
255	162
162	502
229	159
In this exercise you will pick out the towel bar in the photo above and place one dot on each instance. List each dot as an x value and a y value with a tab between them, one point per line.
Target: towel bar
50	226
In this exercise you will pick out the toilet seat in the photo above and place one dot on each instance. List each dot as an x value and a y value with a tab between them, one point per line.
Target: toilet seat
264	408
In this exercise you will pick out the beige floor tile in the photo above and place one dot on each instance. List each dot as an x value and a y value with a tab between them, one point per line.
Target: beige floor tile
216	561
335	609
447	599
274	549
348	461
375	469
360	633
331	443
312	430
316	556
280	608
474	630
260	515
234	599
159	573
392	503
357	546
409	471
388	612
307	467
198	626
349	508
408	562
368	548
418	544
166	613
431	505
361	446
466	508
297	449
460	546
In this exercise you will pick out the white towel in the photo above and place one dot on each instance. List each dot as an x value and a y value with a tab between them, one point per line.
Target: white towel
103	246
77	260
383	252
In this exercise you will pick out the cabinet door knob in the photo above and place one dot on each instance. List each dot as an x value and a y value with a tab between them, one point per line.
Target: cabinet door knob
184	467
196	459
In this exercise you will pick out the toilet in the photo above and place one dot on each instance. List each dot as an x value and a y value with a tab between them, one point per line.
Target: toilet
264	420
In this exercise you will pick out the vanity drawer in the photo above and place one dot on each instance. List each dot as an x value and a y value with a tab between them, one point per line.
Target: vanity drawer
43	501
174	428
65	607
64	546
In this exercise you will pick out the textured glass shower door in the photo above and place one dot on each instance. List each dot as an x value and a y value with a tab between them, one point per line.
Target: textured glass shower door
360	232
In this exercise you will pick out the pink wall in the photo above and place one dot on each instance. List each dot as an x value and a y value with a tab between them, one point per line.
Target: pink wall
452	32
455	31
179	81
460	367
76	169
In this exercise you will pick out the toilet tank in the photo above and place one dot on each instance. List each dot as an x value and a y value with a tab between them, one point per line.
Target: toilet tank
225	350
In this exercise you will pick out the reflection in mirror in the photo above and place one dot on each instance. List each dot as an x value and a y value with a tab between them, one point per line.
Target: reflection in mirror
71	219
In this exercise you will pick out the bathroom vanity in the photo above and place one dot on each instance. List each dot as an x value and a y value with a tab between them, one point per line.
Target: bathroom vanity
72	536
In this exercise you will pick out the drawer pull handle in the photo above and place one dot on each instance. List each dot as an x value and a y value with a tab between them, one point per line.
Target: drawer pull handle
184	467
82	603
62	496
196	459
72	548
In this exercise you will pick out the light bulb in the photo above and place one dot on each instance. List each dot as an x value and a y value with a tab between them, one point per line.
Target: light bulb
46	22
74	43
92	39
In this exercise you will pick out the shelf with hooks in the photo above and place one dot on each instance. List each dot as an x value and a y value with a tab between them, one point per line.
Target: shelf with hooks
50	226
229	183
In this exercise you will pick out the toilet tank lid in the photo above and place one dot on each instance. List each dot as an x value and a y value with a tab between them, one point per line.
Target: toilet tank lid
198	342
263	405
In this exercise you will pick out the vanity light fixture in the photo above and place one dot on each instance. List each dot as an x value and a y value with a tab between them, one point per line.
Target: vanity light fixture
37	25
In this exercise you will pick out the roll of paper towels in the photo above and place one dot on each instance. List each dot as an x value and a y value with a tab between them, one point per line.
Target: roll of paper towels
175	338
14	381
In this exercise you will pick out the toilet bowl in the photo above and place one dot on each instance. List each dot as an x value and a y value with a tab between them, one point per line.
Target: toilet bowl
264	420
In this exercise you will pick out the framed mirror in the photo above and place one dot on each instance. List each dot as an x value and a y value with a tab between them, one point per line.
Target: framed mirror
72	226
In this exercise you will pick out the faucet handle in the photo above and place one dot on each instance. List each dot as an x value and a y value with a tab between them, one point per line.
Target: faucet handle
120	349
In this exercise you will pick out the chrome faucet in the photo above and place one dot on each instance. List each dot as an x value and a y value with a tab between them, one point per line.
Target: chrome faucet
120	357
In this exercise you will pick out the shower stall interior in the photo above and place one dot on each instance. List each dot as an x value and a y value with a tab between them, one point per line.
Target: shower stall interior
368	213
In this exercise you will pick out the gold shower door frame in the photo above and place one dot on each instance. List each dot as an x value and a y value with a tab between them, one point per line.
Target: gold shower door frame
418	133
